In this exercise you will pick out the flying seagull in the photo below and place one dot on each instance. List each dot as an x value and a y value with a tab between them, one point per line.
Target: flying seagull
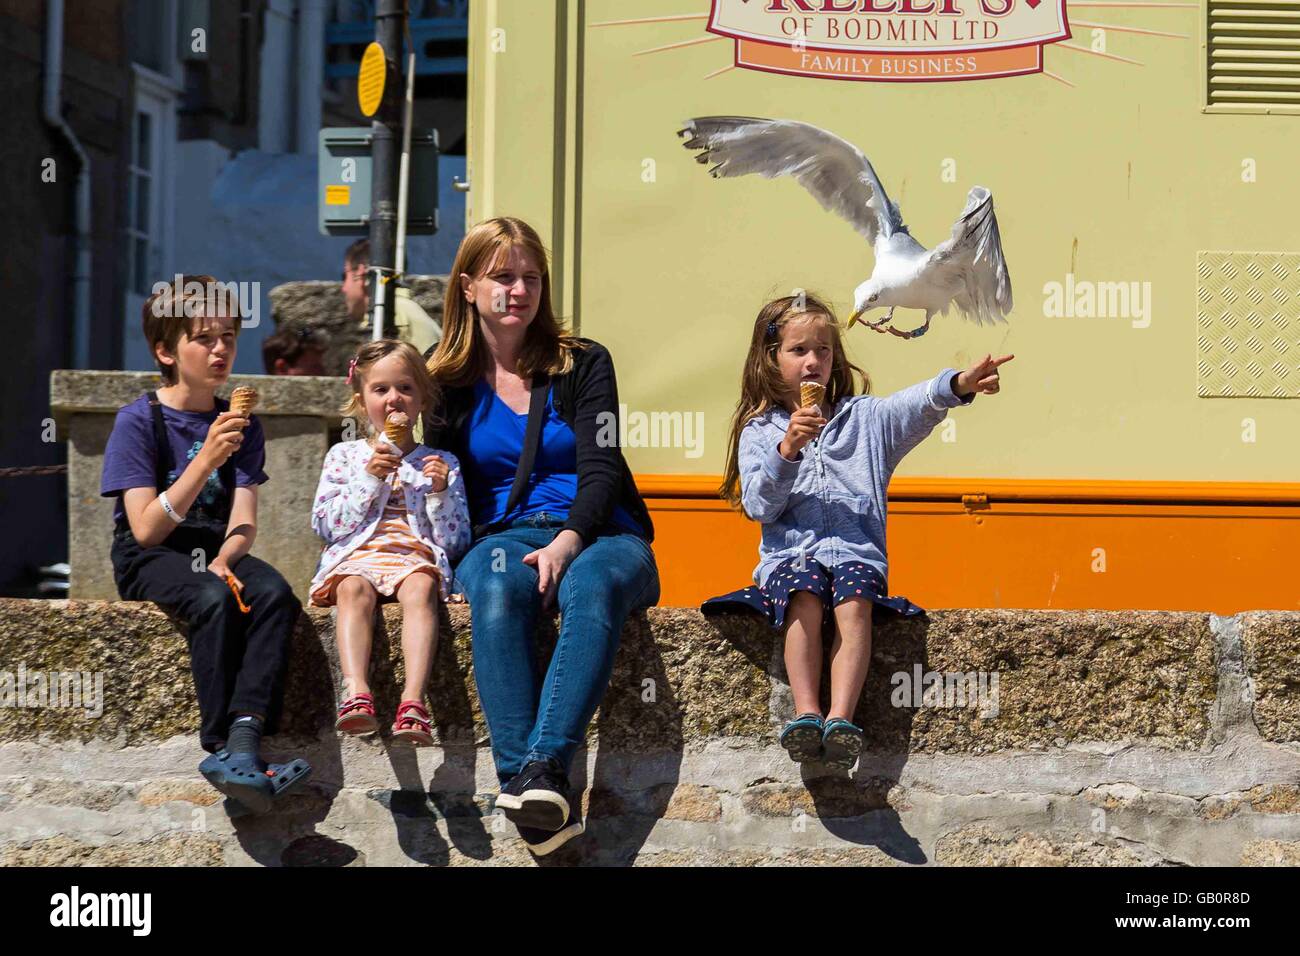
967	269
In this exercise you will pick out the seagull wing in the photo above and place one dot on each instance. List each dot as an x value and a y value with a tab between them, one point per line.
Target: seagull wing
972	262
835	171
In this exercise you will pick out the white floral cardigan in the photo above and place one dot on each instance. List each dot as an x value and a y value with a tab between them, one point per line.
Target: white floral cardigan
350	502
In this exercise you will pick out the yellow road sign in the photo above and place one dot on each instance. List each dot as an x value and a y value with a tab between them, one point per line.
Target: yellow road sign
370	80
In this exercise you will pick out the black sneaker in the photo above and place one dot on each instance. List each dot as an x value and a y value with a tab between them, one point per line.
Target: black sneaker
537	797
542	842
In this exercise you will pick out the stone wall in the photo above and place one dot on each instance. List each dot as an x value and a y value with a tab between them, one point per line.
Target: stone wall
319	306
298	414
1134	738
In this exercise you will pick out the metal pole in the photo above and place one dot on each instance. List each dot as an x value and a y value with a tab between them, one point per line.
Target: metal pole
389	15
81	274
404	175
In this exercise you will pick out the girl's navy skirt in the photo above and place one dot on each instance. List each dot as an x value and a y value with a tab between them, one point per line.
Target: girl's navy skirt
833	586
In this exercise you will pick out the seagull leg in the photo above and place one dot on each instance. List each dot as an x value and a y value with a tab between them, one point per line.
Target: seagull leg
881	325
916	333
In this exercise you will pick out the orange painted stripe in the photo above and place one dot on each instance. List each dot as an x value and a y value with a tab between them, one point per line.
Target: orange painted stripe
1223	547
1017	489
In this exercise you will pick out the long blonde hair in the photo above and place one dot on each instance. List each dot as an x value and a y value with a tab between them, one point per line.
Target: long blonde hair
461	356
761	385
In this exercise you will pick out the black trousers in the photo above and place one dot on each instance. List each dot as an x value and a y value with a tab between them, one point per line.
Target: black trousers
238	660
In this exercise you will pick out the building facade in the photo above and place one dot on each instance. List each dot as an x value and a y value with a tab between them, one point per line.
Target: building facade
151	137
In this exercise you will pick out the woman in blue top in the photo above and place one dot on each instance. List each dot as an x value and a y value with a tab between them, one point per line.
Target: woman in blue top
571	532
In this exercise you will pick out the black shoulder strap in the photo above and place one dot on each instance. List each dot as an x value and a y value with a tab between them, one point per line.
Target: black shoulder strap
163	460
528	454
532	436
565	402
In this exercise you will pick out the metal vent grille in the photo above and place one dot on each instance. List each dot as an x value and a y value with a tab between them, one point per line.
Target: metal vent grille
1254	54
1248	325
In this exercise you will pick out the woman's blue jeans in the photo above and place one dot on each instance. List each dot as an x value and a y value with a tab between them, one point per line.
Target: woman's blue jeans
611	577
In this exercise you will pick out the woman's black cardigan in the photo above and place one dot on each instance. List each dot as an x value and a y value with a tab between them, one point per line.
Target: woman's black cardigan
580	396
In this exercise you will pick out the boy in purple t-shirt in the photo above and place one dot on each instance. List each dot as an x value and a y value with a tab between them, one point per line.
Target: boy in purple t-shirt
185	471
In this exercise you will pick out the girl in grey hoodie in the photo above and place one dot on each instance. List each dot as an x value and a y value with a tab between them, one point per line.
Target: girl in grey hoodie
815	476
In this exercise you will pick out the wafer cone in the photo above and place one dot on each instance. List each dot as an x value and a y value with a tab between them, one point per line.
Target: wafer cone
810	393
243	400
397	428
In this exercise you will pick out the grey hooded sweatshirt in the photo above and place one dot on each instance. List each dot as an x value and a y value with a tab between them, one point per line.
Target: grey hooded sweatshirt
830	503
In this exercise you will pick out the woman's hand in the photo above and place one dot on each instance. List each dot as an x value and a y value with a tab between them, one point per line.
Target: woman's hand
384	461
982	376
552	561
225	435
436	470
804	426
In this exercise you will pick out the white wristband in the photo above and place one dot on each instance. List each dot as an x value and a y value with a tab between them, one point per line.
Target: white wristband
167	507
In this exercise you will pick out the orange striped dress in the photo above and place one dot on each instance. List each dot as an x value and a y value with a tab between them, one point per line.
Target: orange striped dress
386	557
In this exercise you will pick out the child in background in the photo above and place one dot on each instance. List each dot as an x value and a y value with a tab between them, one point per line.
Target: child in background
293	351
815	475
185	471
393	515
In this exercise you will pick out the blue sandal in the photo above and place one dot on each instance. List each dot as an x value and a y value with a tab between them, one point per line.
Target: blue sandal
802	738
841	743
246	780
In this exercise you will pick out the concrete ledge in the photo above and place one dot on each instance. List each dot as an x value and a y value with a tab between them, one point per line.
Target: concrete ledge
1137	738
98	392
297	414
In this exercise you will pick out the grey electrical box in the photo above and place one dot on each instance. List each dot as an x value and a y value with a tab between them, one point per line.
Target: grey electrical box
344	172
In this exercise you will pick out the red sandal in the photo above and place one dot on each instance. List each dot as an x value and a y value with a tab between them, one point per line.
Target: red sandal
412	724
357	716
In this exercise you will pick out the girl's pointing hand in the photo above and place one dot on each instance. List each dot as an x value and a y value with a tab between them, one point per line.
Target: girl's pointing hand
982	376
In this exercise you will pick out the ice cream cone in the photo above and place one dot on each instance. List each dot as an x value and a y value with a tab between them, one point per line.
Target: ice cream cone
810	393
243	400
397	428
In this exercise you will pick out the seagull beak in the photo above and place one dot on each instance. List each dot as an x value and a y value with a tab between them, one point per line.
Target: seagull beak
857	315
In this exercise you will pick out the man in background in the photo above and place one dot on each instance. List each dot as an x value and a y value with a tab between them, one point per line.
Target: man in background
356	290
406	319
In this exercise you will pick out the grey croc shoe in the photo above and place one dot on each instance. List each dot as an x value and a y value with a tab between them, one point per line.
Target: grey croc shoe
841	743
802	738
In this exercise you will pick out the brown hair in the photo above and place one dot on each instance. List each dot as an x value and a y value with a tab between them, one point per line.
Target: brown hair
288	343
357	254
171	310
461	356
761	386
372	352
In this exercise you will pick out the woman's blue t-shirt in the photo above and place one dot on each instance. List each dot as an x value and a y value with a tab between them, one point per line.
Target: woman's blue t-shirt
494	439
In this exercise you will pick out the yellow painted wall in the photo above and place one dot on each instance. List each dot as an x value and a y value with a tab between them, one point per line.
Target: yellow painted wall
1120	177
